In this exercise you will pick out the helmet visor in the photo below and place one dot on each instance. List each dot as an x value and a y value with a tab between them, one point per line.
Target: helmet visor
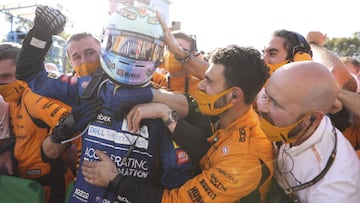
133	45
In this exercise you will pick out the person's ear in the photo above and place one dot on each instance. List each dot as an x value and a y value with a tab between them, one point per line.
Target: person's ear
236	94
336	107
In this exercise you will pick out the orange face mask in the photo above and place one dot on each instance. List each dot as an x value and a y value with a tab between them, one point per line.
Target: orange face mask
207	103
276	134
11	92
86	69
274	67
171	64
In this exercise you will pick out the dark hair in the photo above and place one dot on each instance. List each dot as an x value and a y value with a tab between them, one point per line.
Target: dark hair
244	68
81	35
9	50
292	40
188	38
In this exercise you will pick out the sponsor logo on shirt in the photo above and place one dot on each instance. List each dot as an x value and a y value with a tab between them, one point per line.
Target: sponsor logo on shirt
181	157
195	195
216	183
230	177
84	84
120	137
103	119
242	133
225	150
127	167
53	75
84	195
123	199
33	172
207	189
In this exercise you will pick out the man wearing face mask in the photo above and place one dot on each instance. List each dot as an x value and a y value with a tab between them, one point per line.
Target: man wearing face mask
33	124
130	35
83	50
315	163
238	165
285	47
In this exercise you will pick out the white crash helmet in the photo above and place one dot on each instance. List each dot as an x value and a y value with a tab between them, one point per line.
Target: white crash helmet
132	46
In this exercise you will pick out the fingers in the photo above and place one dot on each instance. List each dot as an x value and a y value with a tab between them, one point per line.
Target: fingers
89	170
88	179
89	175
87	163
129	117
162	22
102	155
133	119
86	170
169	39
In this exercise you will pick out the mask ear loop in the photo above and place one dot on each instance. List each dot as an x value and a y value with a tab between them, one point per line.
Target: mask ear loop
312	119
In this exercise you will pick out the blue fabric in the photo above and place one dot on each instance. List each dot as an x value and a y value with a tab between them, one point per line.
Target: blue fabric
109	134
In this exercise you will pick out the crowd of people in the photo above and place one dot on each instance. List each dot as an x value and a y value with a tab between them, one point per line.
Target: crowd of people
145	118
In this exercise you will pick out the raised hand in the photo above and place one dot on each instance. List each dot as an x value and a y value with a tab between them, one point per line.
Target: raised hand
316	37
49	19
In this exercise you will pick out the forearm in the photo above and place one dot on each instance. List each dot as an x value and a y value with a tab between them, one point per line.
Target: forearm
197	67
176	101
350	100
334	64
193	64
53	150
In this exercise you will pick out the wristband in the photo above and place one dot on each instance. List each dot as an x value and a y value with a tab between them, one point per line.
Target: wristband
194	111
187	58
313	43
115	183
64	129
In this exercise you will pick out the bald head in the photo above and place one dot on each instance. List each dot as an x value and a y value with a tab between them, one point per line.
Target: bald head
305	85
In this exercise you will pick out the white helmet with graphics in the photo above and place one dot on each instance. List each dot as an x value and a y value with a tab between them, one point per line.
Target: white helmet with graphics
132	46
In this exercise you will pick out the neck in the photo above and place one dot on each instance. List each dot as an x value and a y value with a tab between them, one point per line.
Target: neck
231	115
305	134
